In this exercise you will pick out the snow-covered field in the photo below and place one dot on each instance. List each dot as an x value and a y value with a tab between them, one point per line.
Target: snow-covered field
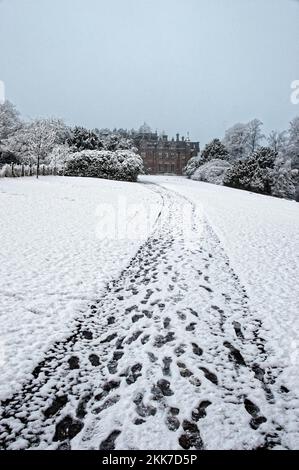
55	258
192	344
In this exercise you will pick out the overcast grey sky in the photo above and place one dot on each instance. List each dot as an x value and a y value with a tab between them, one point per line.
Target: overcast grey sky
180	65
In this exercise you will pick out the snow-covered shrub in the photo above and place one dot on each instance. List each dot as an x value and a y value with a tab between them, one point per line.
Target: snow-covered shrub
129	165
9	171
215	150
212	172
17	171
120	165
192	166
6	171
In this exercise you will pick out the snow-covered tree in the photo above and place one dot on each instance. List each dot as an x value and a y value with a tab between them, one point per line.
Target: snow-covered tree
263	172
212	172
254	135
293	141
34	141
240	175
41	136
254	173
277	141
62	131
59	155
241	140
215	150
117	142
235	141
264	157
84	139
10	120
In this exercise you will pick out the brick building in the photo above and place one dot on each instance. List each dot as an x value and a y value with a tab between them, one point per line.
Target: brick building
161	155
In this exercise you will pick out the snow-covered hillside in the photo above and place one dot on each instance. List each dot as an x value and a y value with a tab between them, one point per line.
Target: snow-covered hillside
193	342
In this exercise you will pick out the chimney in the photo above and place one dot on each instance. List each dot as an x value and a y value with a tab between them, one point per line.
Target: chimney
178	137
183	139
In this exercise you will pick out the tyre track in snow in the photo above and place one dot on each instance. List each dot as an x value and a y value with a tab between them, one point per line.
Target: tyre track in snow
171	357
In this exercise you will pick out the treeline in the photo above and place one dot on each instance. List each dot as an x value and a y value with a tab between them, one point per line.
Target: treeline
50	143
248	159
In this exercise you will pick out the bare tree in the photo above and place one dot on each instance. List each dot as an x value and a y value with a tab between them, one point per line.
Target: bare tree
41	137
254	135
235	141
277	141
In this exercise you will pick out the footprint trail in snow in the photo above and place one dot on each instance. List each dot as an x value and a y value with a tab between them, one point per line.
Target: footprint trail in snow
171	357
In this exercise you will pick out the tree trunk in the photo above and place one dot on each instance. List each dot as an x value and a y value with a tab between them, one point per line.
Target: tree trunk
37	168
